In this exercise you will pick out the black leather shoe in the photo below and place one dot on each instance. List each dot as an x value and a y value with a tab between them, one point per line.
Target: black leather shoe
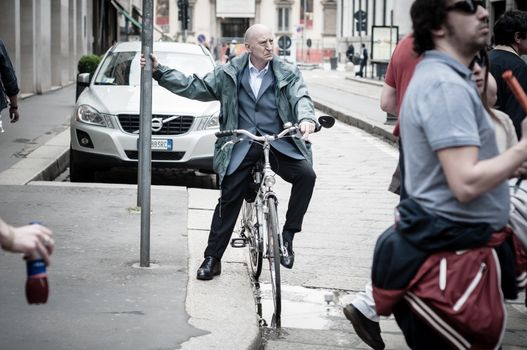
289	260
368	330
209	268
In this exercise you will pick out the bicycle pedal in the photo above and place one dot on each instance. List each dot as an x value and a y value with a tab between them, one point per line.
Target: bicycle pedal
238	242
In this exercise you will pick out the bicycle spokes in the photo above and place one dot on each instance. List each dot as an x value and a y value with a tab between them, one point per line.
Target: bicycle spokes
274	260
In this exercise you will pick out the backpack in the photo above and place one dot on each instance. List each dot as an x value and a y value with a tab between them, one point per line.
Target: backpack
459	295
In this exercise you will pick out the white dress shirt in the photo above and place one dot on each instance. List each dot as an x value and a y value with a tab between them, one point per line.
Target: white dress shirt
256	77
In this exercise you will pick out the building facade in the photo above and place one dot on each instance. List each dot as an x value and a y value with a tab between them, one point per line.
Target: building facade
364	21
46	38
218	22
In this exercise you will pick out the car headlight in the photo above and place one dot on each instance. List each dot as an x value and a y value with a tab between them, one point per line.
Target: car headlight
212	122
90	115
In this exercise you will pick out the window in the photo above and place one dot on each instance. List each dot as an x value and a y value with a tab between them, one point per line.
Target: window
123	68
283	19
306	13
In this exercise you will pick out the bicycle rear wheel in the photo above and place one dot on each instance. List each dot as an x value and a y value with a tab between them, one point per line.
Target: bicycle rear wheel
274	260
252	233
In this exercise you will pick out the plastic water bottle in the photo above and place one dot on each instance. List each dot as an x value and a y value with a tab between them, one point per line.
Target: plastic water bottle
37	289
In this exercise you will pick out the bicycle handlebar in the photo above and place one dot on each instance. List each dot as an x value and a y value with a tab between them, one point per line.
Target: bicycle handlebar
226	133
325	121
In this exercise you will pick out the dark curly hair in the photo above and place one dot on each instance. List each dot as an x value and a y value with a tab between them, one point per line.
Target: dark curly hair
427	15
508	24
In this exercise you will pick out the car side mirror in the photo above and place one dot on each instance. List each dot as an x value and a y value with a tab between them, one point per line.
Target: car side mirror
83	79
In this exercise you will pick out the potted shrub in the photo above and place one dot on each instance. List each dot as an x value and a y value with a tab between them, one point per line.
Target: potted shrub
86	67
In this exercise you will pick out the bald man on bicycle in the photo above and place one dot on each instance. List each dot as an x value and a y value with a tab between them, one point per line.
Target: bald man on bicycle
259	93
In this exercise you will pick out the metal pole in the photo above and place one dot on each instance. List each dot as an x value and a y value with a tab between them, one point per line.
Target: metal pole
304	29
391	29
390	118
146	134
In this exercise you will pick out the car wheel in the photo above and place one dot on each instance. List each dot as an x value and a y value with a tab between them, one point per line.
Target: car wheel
79	173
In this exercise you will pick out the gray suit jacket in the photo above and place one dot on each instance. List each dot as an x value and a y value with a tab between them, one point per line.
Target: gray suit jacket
259	115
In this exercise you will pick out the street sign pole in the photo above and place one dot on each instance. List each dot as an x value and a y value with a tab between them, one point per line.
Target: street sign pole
145	134
304	26
390	118
183	16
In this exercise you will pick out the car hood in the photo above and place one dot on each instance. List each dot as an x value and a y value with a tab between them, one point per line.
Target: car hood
125	100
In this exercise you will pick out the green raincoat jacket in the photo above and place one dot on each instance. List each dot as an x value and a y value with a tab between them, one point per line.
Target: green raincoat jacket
293	101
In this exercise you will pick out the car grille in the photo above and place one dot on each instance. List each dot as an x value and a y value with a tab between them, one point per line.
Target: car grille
130	123
157	155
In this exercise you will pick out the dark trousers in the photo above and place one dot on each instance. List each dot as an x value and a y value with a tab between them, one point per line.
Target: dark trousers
299	173
403	194
362	70
417	333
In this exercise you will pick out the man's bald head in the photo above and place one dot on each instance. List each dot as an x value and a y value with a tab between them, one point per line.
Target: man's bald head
259	44
256	30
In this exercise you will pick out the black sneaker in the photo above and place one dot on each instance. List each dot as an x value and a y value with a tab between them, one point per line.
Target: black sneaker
367	330
289	260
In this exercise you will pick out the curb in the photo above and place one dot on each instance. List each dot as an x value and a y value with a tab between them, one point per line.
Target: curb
55	168
365	81
43	164
372	129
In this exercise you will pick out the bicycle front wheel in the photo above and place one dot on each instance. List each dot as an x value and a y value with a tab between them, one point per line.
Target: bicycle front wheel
254	240
274	260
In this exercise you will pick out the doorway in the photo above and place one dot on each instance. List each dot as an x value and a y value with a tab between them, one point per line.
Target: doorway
234	27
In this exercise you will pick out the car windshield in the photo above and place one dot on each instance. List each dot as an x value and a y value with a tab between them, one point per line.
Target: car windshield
122	68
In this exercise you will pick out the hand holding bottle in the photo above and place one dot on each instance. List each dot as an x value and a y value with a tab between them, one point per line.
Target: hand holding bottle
35	242
30	240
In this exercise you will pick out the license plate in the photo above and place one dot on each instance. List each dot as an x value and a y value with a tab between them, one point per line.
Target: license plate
162	145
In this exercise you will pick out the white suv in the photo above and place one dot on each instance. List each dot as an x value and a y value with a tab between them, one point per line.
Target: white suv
105	121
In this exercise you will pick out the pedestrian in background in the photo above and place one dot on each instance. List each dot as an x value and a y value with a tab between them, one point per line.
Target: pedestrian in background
230	53
30	240
363	61
350	53
510	38
9	87
247	87
455	178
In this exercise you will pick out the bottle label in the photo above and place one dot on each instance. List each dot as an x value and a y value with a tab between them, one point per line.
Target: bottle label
36	268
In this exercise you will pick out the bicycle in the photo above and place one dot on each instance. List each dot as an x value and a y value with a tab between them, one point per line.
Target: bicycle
260	229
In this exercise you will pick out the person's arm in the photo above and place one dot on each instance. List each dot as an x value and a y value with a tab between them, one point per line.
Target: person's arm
10	83
301	102
14	114
30	240
389	99
469	178
449	120
192	86
304	107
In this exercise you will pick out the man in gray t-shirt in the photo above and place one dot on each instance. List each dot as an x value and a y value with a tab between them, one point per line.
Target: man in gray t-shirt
451	159
443	110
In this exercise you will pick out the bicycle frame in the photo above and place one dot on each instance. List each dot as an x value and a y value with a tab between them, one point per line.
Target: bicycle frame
270	228
263	236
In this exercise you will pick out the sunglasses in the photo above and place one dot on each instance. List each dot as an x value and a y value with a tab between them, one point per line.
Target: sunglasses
466	6
481	60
